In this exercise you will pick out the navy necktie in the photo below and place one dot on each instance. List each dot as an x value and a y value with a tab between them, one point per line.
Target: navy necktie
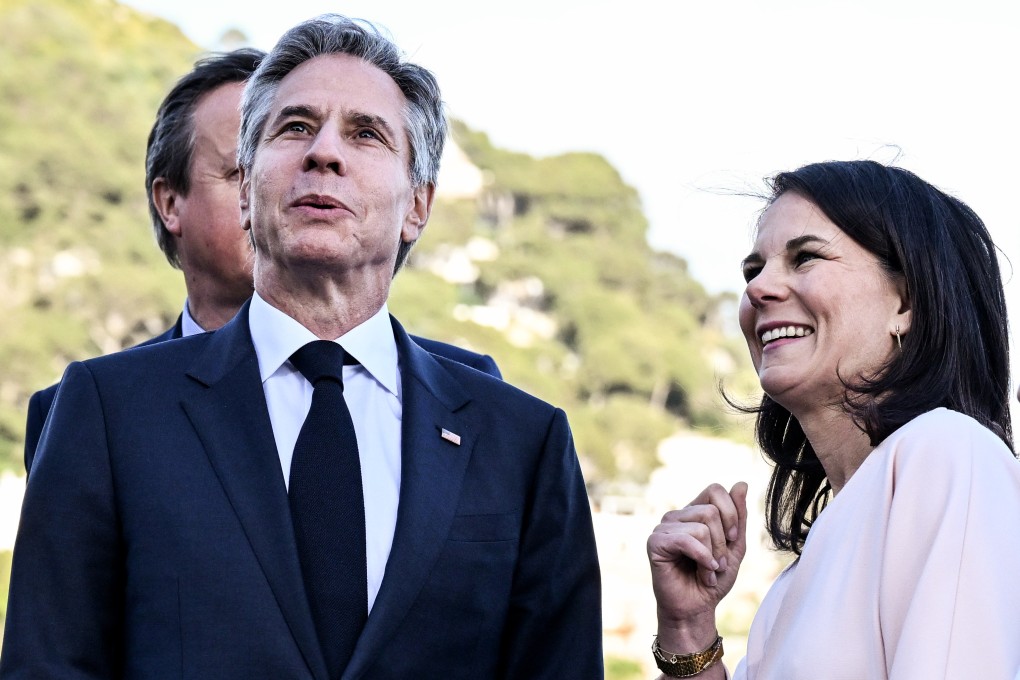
328	508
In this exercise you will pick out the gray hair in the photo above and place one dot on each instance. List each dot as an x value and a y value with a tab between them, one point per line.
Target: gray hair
335	34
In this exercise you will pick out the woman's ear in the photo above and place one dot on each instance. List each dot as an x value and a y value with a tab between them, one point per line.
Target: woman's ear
902	318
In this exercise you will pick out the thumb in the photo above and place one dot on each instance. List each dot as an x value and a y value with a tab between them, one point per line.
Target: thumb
739	495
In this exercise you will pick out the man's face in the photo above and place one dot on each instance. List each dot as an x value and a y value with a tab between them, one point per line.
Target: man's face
213	248
329	188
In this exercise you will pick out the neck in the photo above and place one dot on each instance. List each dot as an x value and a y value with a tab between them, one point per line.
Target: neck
840	445
325	306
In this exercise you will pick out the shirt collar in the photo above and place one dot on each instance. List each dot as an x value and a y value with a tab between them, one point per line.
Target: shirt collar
188	324
276	336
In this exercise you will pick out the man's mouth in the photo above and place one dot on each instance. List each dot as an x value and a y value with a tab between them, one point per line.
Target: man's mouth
319	201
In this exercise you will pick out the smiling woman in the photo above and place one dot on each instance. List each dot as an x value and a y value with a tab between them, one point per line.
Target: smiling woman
875	317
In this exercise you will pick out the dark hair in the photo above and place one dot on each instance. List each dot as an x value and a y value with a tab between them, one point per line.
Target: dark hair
172	139
956	354
334	34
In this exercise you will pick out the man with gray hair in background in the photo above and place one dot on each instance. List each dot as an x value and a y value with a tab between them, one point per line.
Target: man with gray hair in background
306	493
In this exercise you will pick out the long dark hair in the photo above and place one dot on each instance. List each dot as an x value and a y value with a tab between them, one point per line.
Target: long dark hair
956	354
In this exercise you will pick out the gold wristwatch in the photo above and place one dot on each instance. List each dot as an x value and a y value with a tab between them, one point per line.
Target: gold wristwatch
686	665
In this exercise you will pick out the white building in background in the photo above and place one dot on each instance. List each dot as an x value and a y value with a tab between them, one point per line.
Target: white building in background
458	176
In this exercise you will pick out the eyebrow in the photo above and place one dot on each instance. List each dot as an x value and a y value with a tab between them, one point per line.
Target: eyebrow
297	110
355	117
794	243
368	119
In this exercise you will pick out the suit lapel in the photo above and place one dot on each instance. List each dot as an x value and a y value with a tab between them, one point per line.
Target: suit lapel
432	470
232	420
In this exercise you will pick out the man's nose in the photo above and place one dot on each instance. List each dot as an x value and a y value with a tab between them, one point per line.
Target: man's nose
326	152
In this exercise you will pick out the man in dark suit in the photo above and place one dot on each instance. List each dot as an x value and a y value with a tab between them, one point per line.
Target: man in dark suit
191	182
166	531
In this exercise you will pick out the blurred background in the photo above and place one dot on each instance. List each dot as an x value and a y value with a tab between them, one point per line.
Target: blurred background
594	206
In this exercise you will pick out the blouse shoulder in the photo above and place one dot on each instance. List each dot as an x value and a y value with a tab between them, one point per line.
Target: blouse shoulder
946	431
945	447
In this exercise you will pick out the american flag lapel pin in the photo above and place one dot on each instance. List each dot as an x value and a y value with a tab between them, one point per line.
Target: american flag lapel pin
451	437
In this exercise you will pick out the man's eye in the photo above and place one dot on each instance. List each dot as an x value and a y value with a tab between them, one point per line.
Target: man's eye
750	273
366	133
296	127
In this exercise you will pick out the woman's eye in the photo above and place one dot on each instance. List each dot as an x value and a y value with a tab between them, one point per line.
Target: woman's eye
750	273
804	256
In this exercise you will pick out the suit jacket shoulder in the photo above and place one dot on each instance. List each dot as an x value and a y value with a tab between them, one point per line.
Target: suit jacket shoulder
480	362
39	404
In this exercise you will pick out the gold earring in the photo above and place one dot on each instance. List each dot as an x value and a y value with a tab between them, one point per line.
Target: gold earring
898	343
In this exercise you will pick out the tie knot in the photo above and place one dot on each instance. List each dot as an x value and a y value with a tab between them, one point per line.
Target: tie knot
319	360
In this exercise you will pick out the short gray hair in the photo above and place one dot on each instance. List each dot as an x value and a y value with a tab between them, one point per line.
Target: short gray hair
336	34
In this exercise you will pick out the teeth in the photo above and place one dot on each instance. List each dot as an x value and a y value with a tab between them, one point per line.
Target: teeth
786	332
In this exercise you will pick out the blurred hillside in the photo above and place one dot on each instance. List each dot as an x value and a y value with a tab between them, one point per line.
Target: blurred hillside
541	262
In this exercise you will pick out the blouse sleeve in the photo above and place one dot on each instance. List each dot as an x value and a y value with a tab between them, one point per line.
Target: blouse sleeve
949	598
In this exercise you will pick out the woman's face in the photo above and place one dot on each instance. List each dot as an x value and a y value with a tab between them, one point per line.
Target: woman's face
817	307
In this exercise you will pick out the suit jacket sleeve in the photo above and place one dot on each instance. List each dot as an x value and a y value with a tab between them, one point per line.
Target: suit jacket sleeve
38	407
40	403
554	627
66	593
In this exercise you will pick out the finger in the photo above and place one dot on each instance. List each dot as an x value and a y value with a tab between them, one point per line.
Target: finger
729	516
710	492
678	542
710	515
738	494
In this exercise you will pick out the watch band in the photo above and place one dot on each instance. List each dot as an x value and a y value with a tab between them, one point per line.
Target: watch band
686	665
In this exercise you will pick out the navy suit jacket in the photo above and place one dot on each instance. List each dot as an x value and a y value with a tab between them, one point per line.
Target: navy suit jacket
39	404
156	540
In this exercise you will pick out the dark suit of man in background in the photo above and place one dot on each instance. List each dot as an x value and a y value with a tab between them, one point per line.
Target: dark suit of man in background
191	182
159	534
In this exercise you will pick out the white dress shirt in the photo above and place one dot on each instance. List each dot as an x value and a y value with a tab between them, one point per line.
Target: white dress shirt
372	392
188	324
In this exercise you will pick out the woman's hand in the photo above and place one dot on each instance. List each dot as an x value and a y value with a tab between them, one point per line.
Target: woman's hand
695	554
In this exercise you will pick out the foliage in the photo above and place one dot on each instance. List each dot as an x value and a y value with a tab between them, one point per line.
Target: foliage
623	669
79	275
561	287
564	291
638	347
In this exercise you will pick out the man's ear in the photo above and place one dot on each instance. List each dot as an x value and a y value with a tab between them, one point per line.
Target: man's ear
166	201
243	200
418	213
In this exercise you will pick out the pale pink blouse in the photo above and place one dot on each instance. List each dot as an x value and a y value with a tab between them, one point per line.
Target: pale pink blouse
911	572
